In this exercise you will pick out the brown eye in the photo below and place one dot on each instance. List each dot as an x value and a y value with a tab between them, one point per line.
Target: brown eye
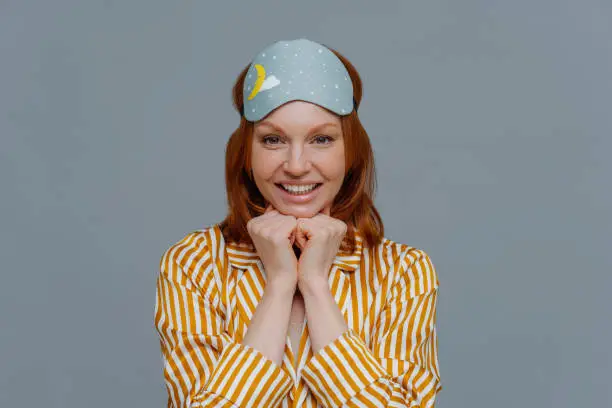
272	139
322	139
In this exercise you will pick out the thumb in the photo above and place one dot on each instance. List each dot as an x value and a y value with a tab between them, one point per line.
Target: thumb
300	237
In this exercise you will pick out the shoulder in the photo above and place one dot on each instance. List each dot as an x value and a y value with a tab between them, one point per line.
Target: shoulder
413	267
192	252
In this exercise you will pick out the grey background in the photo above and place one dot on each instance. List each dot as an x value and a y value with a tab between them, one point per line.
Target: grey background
491	126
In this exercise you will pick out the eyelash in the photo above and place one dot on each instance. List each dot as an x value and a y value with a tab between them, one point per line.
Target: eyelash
266	138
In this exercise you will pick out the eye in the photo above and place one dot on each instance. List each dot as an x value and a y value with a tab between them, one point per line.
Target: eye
271	139
323	139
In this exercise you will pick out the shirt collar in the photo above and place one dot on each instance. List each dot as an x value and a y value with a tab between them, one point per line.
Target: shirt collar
240	255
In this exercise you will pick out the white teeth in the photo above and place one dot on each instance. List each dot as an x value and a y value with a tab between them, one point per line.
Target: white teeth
299	189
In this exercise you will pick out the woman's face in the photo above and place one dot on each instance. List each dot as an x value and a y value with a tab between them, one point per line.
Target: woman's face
297	146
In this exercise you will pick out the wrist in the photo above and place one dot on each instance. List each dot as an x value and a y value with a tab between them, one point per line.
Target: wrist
313	285
281	288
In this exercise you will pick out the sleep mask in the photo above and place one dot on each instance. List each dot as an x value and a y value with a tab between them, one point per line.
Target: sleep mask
296	70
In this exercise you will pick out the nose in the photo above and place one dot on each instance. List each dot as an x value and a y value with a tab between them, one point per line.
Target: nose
297	163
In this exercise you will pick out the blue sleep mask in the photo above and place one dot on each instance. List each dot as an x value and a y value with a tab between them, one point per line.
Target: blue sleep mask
296	70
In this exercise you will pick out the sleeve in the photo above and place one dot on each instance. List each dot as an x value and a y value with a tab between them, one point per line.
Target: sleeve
401	367
203	365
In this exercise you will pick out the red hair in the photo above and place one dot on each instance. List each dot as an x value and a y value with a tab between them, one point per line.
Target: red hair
354	203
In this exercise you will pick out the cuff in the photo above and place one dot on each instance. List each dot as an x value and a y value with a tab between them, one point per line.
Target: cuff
341	370
244	376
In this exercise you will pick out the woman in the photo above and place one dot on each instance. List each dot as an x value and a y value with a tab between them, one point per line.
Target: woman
296	298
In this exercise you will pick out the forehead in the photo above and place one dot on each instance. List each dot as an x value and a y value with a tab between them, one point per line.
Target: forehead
299	115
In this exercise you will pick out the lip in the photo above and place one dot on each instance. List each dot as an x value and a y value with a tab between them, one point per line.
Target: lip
301	183
298	199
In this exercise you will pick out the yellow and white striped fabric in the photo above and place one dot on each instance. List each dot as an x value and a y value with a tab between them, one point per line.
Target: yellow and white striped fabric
207	292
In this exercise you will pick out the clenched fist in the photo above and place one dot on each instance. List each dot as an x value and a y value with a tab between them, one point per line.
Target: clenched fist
273	235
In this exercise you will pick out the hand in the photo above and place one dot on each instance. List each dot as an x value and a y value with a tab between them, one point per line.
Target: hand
273	236
319	238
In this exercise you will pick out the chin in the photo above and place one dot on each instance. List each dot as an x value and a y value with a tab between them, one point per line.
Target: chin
300	212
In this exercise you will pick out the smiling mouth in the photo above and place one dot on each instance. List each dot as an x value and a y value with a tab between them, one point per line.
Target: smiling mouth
299	191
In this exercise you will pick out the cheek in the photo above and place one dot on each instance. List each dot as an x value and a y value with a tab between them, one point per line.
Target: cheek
334	167
264	164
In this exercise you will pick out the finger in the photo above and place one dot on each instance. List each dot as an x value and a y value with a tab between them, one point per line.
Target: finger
286	227
265	217
299	241
300	236
294	234
309	225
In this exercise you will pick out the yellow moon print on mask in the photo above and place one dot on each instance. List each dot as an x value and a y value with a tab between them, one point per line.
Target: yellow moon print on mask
262	83
261	76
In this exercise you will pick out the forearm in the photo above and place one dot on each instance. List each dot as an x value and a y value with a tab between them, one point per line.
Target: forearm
267	330
325	320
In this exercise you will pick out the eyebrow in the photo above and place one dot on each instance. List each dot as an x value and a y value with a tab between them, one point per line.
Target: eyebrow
312	130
